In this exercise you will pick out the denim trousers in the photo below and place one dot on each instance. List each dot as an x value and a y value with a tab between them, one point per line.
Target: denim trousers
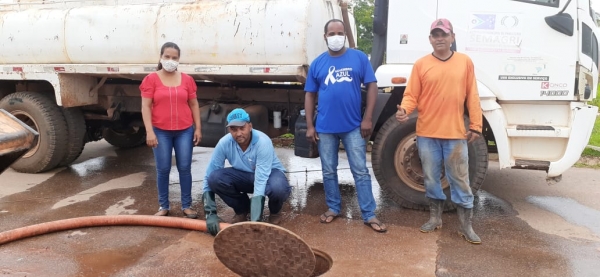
356	151
182	142
452	155
233	186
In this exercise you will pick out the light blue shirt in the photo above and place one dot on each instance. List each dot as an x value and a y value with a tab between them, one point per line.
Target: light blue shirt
259	158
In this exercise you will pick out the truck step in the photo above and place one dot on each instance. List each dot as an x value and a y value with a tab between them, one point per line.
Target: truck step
540	131
531	164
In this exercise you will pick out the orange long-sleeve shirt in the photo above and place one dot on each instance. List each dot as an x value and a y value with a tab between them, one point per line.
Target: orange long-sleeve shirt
439	90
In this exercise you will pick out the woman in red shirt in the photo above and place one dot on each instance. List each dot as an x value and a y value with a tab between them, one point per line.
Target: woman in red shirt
172	118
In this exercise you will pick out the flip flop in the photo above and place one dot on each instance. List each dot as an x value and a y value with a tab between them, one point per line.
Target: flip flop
328	217
375	222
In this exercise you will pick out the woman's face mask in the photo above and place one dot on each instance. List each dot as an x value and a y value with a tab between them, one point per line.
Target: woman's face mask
336	43
169	65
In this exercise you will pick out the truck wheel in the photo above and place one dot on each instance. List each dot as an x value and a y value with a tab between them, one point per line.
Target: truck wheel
128	138
43	115
397	165
76	141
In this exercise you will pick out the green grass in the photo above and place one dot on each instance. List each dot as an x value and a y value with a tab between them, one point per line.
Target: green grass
589	159
596	101
590	153
595	138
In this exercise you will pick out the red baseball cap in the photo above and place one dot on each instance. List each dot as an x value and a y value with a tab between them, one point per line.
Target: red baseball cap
442	24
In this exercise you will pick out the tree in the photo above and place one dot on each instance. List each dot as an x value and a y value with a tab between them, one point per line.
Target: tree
363	15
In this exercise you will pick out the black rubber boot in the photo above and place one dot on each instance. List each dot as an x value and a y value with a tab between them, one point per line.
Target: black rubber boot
465	229
436	207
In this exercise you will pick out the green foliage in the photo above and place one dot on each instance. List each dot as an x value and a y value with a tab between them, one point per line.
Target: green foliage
363	14
288	135
596	101
595	138
588	152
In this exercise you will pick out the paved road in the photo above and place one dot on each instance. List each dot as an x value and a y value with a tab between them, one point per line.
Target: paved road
528	228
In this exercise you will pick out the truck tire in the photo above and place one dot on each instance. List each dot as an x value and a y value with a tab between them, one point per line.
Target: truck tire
43	115
397	165
76	129
125	138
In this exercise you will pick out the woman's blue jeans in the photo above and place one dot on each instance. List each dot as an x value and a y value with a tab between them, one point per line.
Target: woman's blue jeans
182	142
356	151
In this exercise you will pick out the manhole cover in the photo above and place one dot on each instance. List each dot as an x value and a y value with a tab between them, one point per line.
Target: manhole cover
262	249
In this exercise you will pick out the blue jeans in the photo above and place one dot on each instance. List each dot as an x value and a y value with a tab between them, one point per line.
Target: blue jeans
233	186
356	152
453	156
182	142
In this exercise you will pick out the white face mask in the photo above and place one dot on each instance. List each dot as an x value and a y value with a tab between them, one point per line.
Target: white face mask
169	65
336	43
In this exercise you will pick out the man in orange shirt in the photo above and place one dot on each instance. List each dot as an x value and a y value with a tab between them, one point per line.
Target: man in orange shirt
439	86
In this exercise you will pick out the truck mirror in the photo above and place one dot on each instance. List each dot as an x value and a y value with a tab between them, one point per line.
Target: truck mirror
562	22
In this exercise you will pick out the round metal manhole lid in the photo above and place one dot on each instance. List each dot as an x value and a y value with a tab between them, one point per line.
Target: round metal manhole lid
262	249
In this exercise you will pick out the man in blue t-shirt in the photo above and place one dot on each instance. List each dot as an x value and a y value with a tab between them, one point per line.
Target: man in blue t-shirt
336	76
254	169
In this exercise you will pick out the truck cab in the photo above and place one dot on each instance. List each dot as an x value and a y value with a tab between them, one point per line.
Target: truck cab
536	63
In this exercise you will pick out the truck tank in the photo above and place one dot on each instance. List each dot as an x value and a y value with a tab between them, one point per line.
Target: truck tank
209	32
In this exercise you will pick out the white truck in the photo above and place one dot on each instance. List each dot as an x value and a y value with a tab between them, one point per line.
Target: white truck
71	71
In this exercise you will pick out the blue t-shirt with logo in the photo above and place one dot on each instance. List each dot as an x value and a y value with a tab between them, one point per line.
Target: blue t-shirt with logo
338	81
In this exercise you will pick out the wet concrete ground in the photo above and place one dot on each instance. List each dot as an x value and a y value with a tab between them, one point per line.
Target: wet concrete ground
528	228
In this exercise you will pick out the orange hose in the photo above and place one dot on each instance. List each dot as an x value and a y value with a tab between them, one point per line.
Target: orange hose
105	220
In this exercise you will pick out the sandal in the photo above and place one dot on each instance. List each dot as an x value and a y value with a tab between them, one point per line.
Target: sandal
189	213
376	225
328	217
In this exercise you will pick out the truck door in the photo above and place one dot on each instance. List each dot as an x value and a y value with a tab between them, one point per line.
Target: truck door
588	52
516	53
408	42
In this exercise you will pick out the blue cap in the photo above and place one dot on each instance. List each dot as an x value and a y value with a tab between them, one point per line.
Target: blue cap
237	117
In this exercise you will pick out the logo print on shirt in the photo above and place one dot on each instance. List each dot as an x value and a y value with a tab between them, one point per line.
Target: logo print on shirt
341	75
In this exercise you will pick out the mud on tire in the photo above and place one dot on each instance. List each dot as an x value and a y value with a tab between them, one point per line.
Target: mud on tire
43	115
401	178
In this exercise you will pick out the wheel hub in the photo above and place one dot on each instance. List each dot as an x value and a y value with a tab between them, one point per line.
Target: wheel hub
29	121
408	164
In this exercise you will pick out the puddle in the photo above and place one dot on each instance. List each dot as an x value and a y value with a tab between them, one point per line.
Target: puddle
129	181
570	210
120	207
488	205
14	182
103	263
90	166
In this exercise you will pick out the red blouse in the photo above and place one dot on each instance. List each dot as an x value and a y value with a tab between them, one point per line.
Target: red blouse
170	108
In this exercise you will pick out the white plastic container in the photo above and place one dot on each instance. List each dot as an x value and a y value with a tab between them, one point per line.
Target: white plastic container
276	119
